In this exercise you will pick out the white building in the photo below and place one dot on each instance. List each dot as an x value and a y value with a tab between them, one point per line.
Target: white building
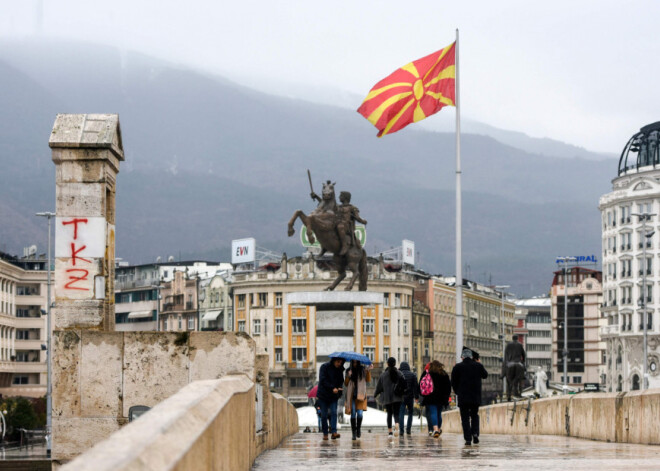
628	258
536	333
23	293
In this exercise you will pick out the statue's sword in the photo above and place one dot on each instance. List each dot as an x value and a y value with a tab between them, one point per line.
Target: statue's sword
309	176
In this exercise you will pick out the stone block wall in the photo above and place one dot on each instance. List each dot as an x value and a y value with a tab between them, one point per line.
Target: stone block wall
98	376
614	417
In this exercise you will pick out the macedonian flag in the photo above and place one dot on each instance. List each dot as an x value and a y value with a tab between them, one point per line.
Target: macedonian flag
413	92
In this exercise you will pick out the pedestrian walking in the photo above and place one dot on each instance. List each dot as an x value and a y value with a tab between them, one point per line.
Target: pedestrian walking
410	396
436	388
356	381
390	391
331	380
466	380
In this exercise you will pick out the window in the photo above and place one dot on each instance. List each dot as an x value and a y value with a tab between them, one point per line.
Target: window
278	299
165	324
180	323
299	354
263	299
278	326
256	327
386	299
22	334
577	379
299	326
386	353
191	323
427	349
386	326
398	326
296	382
22	312
265	326
368	326
22	356
241	300
241	326
370	352
397	299
278	355
405	353
20	379
276	383
405	327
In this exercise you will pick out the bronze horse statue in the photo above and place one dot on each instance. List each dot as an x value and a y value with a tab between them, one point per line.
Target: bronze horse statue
321	224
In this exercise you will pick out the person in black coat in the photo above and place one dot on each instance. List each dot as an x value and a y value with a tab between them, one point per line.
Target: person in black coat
411	394
439	398
514	367
466	380
331	383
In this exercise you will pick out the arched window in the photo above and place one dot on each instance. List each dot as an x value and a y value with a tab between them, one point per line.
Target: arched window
635	383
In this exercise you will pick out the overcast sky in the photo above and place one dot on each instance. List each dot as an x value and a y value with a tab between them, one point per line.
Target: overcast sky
582	72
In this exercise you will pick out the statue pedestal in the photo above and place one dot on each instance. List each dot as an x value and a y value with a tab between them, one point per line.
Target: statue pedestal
335	318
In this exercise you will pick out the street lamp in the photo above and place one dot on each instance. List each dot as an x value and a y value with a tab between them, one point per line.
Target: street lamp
49	384
643	217
502	288
565	261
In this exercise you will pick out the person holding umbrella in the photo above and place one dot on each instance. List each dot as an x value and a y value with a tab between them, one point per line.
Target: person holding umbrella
331	380
356	381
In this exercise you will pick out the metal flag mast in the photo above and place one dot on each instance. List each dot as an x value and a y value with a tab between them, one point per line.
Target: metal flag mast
459	248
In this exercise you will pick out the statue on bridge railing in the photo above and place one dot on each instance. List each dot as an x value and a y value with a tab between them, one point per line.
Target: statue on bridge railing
513	368
334	227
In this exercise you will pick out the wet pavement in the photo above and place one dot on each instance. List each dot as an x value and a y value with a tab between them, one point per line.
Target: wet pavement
494	452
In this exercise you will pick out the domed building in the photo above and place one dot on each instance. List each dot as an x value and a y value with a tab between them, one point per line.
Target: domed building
631	264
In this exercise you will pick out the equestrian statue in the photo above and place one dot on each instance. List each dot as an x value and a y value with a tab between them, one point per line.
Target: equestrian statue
334	227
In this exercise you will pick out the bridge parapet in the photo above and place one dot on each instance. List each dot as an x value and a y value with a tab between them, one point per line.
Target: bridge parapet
209	424
614	417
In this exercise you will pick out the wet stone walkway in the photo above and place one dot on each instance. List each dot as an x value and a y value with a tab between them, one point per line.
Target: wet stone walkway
305	451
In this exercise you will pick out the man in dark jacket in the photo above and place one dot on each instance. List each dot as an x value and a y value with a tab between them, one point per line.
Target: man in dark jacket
514	362
466	380
331	382
410	395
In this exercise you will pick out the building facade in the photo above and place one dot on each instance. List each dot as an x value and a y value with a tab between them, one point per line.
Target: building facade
534	331
485	317
136	297
23	335
585	361
422	336
215	303
179	308
287	332
631	257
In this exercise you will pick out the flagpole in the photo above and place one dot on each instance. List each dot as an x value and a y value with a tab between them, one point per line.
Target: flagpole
459	247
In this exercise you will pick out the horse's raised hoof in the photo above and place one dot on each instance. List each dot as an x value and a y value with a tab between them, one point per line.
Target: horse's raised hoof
291	231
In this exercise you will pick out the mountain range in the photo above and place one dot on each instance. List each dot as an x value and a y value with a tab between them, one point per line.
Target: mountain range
209	160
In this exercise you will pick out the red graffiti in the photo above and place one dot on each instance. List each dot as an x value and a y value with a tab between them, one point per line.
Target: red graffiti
75	279
74	254
75	222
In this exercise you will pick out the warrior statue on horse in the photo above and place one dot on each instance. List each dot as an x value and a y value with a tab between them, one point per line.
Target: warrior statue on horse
334	227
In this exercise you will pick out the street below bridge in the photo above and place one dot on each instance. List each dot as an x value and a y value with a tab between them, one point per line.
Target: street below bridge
375	451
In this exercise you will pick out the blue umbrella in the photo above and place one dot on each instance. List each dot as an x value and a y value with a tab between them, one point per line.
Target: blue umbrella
352	356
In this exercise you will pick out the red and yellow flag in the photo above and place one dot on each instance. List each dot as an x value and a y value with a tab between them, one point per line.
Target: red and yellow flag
413	92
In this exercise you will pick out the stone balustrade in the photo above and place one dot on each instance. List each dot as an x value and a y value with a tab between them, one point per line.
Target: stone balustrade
614	417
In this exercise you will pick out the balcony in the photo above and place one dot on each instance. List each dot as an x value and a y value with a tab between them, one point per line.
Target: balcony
298	365
128	284
609	330
428	335
34	344
417	332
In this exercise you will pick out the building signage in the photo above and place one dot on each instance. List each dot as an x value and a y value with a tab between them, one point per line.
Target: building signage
580	259
408	250
360	234
591	387
243	251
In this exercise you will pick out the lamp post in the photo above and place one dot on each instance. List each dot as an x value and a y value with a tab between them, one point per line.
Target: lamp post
502	288
565	261
49	384
643	217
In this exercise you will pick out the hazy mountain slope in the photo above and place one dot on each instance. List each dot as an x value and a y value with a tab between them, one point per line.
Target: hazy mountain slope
208	160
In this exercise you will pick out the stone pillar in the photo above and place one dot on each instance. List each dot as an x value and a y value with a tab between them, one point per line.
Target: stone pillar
86	150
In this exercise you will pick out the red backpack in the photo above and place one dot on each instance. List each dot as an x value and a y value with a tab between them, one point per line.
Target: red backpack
426	385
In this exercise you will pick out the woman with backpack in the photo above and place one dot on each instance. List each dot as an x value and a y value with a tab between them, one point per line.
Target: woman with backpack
435	387
391	387
356	395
